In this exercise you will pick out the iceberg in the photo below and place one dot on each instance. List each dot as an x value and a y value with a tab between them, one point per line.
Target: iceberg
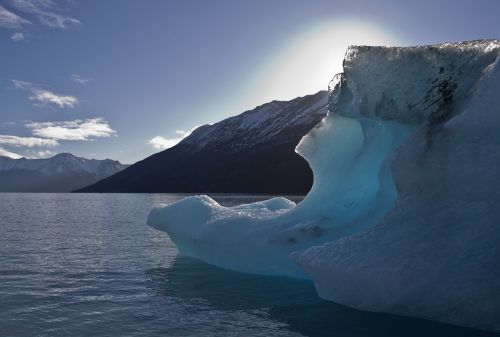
403	213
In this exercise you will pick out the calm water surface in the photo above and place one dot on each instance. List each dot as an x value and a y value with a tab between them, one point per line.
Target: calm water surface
88	265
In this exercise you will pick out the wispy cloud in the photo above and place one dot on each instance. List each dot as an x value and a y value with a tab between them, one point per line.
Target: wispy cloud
43	97
48	134
11	20
17	141
162	143
18	84
16	37
5	153
44	154
46	12
80	79
87	129
7	124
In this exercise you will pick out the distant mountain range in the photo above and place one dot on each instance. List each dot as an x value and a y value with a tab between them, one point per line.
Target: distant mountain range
253	152
62	173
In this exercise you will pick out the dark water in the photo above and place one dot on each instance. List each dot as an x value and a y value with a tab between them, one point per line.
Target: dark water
88	265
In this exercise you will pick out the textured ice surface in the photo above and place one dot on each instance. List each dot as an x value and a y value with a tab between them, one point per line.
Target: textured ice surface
436	253
258	238
403	214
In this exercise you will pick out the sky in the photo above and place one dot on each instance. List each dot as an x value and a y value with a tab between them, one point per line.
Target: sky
124	79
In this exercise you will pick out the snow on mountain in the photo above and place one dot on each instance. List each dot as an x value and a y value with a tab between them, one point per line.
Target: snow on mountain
63	163
75	171
252	152
403	213
258	125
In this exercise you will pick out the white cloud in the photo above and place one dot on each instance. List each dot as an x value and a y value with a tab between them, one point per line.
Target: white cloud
162	143
45	97
11	20
49	133
16	37
80	79
26	141
18	84
5	153
46	13
44	154
73	130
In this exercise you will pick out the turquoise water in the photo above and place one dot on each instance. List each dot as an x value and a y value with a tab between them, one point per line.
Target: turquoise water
88	265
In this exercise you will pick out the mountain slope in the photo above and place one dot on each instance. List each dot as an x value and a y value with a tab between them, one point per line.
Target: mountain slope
62	173
253	152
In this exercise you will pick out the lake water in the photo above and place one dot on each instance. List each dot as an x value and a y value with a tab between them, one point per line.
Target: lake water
88	265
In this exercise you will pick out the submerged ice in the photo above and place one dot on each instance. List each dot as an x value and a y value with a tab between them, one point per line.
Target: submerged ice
403	214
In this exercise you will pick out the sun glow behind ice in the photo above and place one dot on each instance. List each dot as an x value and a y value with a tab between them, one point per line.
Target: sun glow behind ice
302	64
309	60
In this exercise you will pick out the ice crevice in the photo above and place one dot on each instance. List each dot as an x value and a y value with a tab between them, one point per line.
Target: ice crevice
402	216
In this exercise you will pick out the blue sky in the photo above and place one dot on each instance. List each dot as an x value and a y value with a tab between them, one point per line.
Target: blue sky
123	79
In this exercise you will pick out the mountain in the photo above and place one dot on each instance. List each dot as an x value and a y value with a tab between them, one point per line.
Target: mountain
62	173
253	152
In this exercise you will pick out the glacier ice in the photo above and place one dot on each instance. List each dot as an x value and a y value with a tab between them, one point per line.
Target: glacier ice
436	253
403	214
258	238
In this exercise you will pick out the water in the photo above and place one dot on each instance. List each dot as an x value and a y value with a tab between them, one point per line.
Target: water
88	265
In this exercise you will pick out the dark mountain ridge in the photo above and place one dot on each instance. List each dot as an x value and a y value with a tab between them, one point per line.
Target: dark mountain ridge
63	172
253	152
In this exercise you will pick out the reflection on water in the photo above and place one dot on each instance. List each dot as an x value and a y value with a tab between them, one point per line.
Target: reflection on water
292	302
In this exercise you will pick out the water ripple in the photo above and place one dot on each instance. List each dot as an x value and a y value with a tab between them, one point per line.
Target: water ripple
87	265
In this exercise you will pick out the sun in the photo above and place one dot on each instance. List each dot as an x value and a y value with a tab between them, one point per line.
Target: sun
307	62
